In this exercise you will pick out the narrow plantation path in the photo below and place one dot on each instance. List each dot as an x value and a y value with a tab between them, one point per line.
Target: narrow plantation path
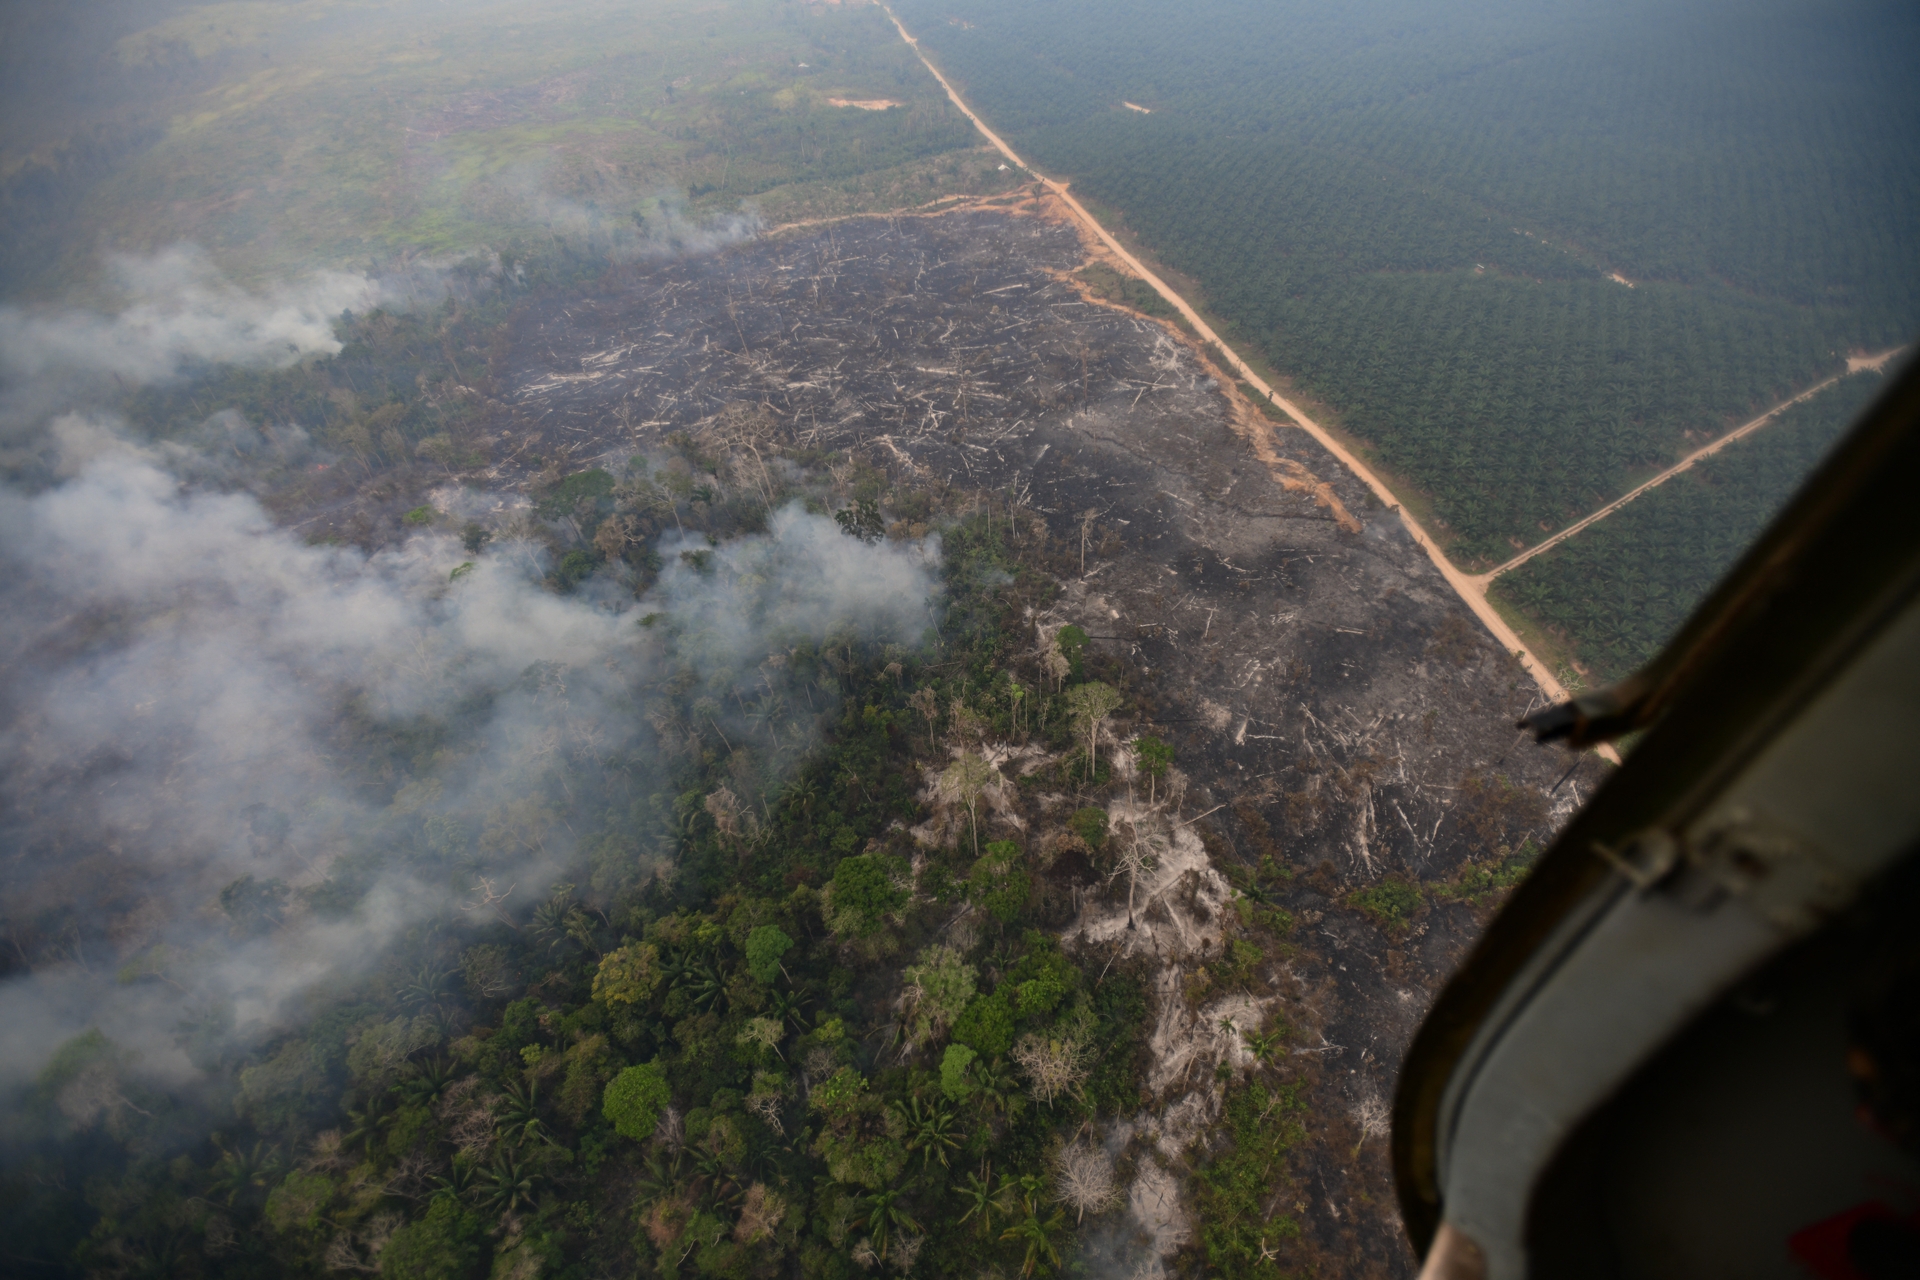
1472	591
1854	365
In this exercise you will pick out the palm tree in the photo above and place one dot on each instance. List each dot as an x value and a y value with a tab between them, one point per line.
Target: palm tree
428	987
365	1124
460	1179
712	1180
551	918
160	1258
706	987
505	1186
882	1215
803	794
931	1129
1037	1234
1263	1044
665	1173
522	1119
673	967
426	1082
978	1193
242	1170
790	1006
999	1089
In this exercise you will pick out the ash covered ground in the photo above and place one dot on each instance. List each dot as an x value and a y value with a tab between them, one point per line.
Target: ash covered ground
1338	713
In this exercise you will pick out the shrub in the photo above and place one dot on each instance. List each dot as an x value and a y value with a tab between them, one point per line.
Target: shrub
866	890
941	984
987	1025
999	882
446	1244
1090	825
765	946
635	1098
629	975
954	1066
1391	902
839	1094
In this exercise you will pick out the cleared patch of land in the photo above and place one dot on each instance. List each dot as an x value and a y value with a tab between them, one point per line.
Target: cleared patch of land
1327	691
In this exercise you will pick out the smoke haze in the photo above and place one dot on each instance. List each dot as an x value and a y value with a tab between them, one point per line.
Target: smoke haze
179	308
181	678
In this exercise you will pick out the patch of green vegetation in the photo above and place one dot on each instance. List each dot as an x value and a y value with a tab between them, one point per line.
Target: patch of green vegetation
1237	1232
1391	901
1128	291
584	492
350	134
1091	826
529	1065
1487	880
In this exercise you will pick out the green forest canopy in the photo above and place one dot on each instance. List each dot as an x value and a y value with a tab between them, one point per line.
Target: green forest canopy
281	137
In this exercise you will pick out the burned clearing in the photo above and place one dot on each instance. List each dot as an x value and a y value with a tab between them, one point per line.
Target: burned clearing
1343	724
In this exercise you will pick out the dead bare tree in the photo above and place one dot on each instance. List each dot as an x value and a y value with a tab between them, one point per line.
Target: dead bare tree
745	435
1055	1065
1083	1179
1134	860
927	703
963	782
489	899
1375	1121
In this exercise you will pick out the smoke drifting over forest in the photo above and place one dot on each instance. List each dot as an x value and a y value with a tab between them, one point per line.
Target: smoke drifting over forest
180	308
192	698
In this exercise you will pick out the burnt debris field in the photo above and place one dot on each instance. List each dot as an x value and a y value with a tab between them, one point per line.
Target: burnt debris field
846	750
1343	723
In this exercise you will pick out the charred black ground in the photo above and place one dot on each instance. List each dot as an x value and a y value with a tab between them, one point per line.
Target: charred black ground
1343	721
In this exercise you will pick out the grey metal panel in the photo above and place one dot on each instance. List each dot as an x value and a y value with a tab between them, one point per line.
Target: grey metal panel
1830	802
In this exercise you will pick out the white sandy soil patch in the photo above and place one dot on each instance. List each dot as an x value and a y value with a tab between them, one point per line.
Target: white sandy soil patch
1177	913
948	823
1176	895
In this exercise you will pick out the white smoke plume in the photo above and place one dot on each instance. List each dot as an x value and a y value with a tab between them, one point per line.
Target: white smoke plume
157	317
623	221
179	678
177	308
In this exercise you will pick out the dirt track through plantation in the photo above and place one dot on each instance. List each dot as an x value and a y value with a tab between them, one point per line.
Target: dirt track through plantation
1472	592
1854	365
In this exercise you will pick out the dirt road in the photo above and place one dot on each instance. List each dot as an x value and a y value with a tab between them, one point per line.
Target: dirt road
1471	591
1854	365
